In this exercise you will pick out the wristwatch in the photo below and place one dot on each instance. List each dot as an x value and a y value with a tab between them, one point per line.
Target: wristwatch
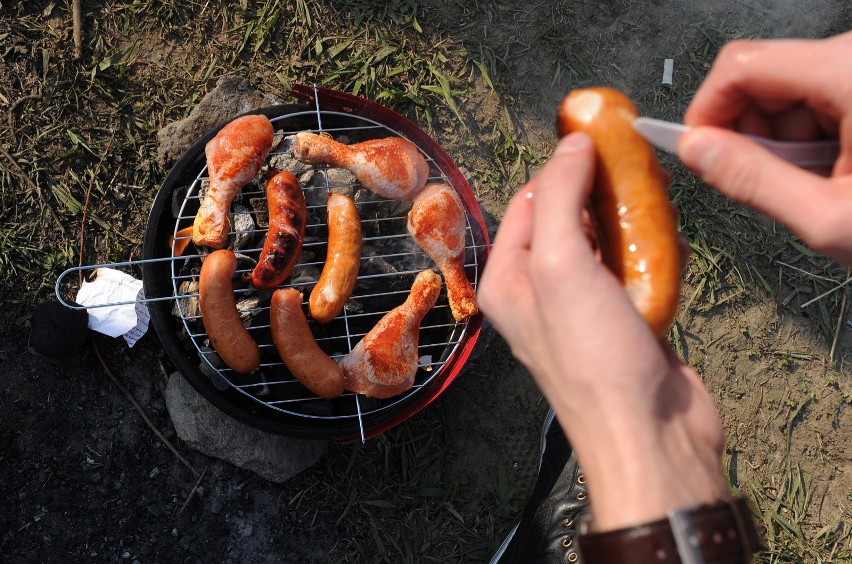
721	533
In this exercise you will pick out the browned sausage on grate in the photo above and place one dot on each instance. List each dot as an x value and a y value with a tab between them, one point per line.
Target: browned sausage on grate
219	313
287	216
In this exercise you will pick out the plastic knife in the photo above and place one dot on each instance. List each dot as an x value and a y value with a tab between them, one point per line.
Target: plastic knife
666	134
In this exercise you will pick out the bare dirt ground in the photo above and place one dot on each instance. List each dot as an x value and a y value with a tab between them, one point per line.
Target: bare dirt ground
83	478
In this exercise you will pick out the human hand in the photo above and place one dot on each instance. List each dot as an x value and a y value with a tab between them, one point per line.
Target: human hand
781	89
644	427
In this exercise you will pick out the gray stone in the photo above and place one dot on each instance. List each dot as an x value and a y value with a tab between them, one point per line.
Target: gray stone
283	159
244	227
232	96
206	429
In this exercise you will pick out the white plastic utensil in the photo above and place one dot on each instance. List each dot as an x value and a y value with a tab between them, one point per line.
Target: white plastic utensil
665	135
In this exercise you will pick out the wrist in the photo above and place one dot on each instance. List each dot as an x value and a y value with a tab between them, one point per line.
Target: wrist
646	468
645	487
723	533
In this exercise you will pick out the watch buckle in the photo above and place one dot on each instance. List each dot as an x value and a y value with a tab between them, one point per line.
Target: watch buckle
686	540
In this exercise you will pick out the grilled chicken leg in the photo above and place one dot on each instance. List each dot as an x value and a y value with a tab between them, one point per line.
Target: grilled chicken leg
392	167
234	157
436	222
384	362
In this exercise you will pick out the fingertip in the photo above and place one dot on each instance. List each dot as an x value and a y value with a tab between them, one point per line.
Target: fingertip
571	165
684	252
698	149
562	189
515	227
665	176
575	142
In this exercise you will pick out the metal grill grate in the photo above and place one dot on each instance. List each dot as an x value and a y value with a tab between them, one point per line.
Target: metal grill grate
390	261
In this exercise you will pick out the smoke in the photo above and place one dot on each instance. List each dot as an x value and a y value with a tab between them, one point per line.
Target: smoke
566	44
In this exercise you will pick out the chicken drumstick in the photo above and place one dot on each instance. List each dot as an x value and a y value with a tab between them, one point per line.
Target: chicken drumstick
391	167
234	157
436	222
384	362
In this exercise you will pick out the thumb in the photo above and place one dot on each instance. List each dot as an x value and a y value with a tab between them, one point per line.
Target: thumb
748	173
561	191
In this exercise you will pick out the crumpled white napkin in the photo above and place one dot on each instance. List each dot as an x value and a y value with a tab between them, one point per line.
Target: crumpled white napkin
129	318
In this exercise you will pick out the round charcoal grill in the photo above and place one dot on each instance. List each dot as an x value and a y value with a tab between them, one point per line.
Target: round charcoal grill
271	399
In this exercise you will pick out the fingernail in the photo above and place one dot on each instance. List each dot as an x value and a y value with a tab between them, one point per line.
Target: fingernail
572	143
698	150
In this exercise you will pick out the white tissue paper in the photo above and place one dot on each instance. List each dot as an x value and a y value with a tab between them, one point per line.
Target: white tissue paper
129	319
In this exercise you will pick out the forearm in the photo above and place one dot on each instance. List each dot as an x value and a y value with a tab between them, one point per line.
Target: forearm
638	465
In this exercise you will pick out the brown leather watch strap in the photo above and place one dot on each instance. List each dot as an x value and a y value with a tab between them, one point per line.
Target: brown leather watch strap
722	533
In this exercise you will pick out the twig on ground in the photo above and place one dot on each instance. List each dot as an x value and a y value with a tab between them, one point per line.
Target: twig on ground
805	272
827	292
112	376
840	316
77	22
141	411
88	195
194	489
10	114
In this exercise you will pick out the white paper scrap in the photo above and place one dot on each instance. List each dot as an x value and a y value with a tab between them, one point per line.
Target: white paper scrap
668	71
142	319
110	286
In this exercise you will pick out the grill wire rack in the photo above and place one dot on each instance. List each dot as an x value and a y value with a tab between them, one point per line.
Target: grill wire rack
389	263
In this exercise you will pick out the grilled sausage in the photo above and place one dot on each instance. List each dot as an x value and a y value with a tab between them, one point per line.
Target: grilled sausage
297	347
287	216
219	313
638	233
342	260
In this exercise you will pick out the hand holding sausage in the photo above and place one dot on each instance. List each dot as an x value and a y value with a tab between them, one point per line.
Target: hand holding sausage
783	89
644	427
